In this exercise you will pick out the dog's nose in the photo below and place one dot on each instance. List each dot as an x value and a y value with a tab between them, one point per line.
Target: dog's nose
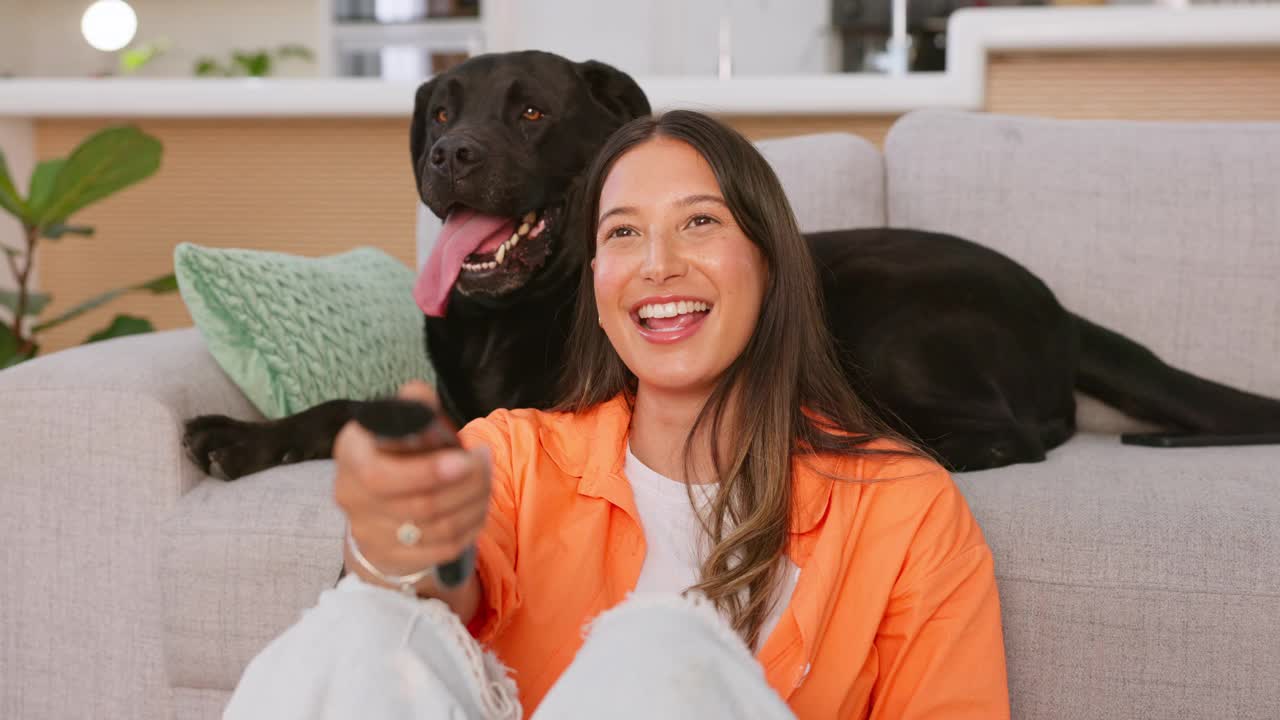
456	156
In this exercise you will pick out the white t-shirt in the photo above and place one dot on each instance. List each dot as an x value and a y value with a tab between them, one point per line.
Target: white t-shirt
674	538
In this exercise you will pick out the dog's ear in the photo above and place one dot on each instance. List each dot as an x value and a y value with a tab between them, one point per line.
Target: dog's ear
614	90
418	128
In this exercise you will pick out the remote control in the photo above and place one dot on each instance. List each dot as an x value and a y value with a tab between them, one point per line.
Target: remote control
405	426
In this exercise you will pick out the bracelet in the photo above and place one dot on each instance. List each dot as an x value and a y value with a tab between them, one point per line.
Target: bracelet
407	584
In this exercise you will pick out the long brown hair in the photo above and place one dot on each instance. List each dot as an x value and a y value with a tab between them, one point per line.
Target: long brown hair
808	406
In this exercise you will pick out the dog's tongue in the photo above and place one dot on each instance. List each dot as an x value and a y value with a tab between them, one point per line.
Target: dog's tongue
465	231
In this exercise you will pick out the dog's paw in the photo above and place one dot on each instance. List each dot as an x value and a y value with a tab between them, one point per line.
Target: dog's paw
227	448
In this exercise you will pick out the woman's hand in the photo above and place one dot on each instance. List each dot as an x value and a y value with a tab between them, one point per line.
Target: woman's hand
444	494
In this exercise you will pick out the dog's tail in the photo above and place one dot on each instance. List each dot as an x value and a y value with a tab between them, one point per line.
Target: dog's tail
1129	377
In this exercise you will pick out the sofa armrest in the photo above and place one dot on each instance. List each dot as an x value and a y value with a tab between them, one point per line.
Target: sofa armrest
238	562
91	462
172	369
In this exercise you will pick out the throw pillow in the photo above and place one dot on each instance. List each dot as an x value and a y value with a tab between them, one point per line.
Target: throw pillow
293	332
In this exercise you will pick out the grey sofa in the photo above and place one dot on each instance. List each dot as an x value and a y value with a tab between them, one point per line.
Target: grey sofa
1135	583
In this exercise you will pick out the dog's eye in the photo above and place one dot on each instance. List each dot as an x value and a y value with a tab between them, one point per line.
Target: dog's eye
532	114
442	115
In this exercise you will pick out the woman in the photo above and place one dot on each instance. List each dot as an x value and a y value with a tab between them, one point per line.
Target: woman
707	441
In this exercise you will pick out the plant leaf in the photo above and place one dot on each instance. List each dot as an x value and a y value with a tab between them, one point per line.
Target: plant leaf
302	52
82	308
9	344
42	182
9	198
57	230
122	325
208	66
163	284
133	59
107	162
159	286
256	64
36	302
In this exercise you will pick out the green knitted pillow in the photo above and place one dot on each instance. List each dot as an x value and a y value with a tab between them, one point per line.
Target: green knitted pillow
293	332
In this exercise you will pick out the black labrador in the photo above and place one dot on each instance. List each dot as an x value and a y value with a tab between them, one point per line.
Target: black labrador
955	344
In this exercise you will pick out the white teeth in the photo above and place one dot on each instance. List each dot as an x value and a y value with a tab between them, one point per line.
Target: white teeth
522	230
499	256
672	309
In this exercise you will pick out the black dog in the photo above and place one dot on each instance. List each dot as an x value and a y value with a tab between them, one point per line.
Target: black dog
956	345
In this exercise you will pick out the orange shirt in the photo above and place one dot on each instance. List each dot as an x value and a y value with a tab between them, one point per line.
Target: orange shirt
895	614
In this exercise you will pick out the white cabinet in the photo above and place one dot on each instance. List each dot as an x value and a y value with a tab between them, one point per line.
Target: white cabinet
402	39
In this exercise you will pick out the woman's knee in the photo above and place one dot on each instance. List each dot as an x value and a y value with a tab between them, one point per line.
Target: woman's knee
667	621
663	656
377	652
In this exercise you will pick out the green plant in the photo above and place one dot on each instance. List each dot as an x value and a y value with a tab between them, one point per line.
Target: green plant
139	56
102	165
252	64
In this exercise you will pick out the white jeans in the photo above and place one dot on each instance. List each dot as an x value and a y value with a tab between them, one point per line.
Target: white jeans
371	653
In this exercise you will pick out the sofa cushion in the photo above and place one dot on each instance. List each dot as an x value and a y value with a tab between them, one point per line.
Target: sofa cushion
238	562
293	332
1137	582
1166	232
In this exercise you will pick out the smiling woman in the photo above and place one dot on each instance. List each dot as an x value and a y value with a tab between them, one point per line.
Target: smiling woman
743	537
666	269
690	216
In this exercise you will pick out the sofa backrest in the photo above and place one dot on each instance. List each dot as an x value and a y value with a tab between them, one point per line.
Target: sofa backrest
833	180
1166	232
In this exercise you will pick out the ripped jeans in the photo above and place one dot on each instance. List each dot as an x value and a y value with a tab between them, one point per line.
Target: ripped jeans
372	653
